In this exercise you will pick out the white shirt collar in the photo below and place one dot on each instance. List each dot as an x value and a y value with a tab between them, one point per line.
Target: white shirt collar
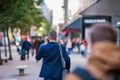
52	41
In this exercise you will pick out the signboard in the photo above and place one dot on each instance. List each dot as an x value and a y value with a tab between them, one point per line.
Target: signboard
89	20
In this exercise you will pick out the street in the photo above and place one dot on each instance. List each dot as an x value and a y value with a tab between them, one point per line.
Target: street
8	70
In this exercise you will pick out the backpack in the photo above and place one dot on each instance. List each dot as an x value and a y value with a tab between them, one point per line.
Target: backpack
26	45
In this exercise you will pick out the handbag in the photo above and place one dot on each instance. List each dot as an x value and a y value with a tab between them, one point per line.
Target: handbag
62	58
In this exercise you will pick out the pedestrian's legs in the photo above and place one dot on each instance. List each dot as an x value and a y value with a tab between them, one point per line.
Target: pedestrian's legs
18	50
27	54
78	48
32	51
83	53
69	50
22	57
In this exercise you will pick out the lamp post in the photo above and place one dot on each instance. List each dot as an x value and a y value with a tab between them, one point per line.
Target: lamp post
65	11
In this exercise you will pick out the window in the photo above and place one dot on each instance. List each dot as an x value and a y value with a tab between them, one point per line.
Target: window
118	31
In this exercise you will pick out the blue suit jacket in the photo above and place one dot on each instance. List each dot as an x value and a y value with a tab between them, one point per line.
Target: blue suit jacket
52	64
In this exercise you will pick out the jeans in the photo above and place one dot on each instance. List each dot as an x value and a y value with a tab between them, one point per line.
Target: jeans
52	79
69	50
83	53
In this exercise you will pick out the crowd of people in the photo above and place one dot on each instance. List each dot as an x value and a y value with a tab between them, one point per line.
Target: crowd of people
33	46
103	62
26	47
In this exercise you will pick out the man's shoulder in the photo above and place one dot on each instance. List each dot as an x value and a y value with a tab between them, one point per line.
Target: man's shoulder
47	46
51	44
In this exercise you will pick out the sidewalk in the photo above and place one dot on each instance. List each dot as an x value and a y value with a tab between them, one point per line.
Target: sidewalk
9	72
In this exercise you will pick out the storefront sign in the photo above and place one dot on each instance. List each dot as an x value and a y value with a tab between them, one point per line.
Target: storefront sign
89	20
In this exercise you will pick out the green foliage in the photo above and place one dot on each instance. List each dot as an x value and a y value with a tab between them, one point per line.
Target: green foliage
20	13
47	27
39	2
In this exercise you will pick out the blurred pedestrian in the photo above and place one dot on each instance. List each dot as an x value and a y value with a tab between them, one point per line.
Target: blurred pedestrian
78	44
69	45
37	43
25	47
83	48
60	41
73	43
45	41
32	47
103	63
52	63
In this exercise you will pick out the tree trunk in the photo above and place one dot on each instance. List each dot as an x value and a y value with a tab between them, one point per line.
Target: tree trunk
9	47
0	57
5	42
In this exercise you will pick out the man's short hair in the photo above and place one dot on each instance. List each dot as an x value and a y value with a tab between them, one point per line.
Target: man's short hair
52	34
103	33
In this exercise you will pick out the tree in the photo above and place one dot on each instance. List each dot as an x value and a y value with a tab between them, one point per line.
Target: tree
19	13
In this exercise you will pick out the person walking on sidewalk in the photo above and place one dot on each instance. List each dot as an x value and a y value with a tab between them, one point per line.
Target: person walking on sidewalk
83	48
37	43
25	47
52	64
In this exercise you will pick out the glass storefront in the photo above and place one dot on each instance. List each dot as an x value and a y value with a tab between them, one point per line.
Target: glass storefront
118	30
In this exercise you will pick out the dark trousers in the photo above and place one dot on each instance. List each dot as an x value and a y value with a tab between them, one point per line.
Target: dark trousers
27	54
52	79
22	57
83	53
69	50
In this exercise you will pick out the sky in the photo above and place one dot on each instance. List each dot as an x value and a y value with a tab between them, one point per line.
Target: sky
56	6
58	11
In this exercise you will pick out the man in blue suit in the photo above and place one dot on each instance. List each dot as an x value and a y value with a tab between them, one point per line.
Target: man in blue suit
52	64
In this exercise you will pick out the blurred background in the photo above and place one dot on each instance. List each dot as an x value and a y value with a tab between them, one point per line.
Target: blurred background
34	18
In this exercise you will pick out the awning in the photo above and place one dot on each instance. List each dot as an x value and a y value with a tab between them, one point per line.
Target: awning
103	8
75	25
